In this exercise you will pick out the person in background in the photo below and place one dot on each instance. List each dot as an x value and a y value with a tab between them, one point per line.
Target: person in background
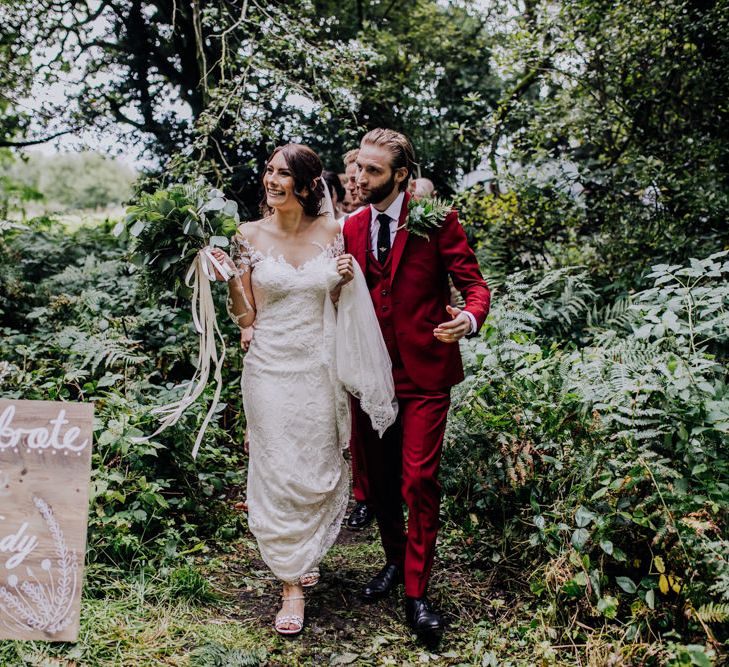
362	514
347	203
350	170
336	192
422	188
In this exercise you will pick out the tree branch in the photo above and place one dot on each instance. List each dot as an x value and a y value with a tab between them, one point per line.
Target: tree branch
34	142
505	107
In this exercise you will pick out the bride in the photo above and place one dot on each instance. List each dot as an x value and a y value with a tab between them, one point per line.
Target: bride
290	276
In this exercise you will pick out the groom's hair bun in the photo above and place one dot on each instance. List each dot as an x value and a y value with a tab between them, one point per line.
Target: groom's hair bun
306	169
399	146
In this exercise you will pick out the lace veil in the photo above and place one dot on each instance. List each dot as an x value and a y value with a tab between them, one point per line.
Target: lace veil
361	358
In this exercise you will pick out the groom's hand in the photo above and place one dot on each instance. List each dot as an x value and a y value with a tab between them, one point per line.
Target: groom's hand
457	328
345	268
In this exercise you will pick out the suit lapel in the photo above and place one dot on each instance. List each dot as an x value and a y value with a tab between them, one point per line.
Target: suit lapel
401	237
362	241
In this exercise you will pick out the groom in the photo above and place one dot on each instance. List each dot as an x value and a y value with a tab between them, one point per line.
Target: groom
407	276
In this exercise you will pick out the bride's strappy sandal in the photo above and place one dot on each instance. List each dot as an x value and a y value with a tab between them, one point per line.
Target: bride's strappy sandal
309	579
283	620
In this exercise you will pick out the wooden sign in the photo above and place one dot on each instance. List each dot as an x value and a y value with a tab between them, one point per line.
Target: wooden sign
45	460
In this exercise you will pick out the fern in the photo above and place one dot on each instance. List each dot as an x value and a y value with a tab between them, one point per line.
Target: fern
7	225
713	612
217	655
613	316
624	417
110	348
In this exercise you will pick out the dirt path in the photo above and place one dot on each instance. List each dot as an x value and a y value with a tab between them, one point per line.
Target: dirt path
341	628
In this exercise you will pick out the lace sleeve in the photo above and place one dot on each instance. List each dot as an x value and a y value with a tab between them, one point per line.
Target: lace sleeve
242	254
336	247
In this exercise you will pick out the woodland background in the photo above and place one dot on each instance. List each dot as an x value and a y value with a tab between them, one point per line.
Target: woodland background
585	474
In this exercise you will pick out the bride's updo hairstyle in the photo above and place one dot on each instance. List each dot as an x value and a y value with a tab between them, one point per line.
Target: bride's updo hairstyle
306	169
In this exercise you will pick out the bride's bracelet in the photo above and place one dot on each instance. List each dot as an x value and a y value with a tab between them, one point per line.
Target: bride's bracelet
237	318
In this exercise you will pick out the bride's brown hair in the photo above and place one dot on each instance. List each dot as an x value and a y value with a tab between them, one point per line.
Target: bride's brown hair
306	169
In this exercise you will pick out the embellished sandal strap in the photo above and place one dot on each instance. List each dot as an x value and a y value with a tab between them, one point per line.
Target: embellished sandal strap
290	618
310	578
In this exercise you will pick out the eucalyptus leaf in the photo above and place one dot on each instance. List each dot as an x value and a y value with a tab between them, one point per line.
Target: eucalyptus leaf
230	208
219	241
137	228
216	204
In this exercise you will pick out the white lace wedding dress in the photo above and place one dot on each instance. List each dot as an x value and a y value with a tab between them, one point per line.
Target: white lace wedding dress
297	410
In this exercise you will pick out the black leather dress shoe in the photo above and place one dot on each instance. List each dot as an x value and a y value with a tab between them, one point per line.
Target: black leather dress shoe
361	516
382	583
423	619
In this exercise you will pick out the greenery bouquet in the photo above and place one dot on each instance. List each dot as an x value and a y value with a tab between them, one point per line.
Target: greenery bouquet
171	226
173	229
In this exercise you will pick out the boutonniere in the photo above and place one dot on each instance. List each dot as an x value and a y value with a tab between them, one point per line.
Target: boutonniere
426	215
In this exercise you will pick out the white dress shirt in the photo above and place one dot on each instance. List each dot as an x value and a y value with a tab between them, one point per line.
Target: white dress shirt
393	211
347	216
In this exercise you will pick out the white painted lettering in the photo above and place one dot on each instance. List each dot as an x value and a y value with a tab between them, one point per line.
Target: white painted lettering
57	423
40	437
19	545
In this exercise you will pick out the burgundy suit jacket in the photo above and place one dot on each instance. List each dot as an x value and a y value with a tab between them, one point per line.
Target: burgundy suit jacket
420	293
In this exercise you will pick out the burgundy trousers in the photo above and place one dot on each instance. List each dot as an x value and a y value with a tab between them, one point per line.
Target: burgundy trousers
360	487
403	466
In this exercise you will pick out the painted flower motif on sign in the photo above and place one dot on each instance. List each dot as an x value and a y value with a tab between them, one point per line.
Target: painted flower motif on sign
34	605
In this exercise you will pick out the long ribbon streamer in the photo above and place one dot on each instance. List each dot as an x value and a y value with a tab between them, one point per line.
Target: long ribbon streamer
199	275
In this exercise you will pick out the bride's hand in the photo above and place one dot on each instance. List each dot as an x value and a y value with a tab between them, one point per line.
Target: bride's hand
223	258
246	336
345	268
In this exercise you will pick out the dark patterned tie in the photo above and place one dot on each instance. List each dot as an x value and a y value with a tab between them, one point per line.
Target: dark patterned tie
383	237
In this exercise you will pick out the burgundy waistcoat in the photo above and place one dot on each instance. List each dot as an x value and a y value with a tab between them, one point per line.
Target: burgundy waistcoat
378	281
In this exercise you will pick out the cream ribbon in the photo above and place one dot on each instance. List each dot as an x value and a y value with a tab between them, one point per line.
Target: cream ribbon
199	275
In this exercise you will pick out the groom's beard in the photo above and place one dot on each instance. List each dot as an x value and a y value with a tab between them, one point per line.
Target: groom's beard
380	193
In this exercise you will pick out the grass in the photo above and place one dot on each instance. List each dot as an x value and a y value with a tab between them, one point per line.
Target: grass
219	612
72	220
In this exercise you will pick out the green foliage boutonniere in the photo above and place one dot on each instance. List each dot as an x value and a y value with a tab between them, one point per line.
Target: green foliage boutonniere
426	215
